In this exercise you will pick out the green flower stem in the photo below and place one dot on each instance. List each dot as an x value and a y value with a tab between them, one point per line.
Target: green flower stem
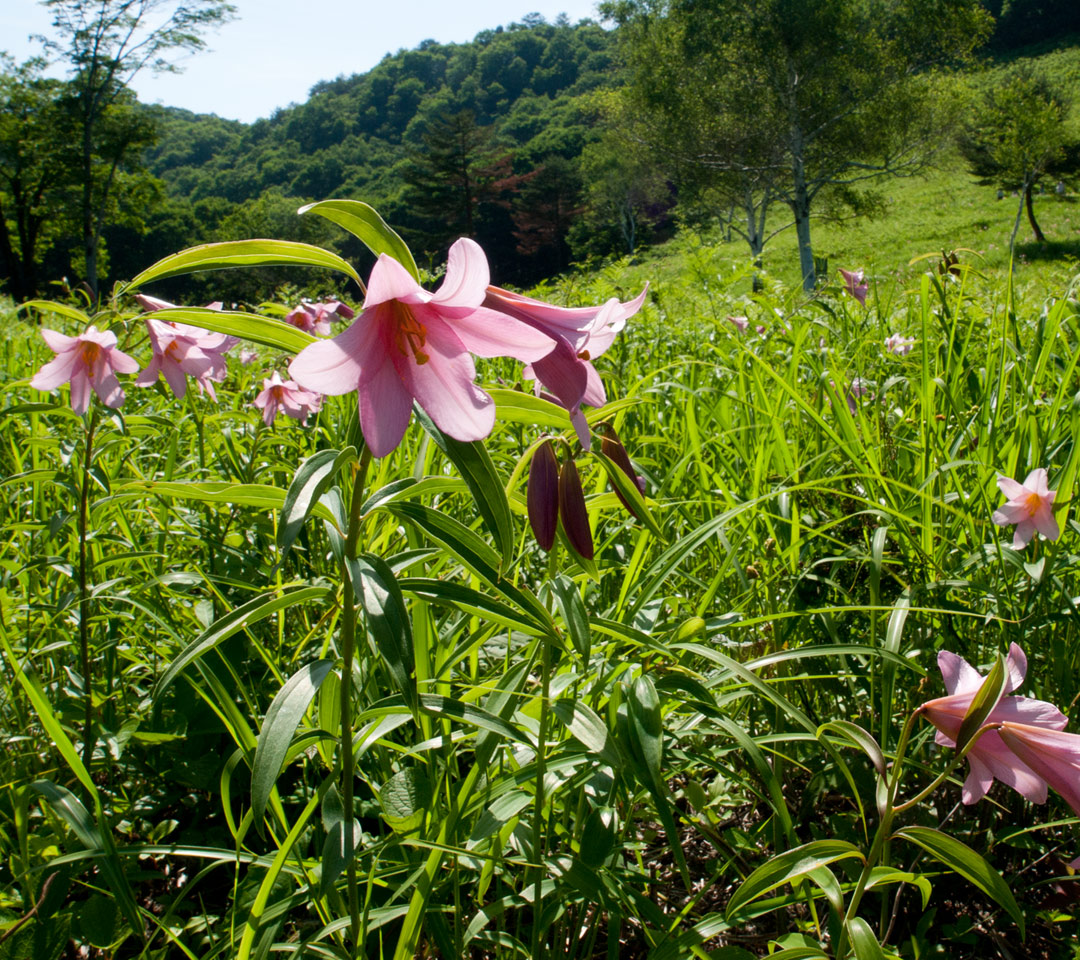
84	597
884	830
348	645
538	812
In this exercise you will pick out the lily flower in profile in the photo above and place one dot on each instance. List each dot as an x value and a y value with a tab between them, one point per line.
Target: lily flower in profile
1030	507
739	323
899	345
409	344
854	284
991	758
88	360
580	335
1053	754
287	397
315	318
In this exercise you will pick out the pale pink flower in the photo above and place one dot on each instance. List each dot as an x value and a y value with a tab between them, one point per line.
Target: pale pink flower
288	397
990	758
1030	507
739	323
88	360
409	344
248	356
854	284
181	351
580	335
760	328
899	345
315	318
1051	753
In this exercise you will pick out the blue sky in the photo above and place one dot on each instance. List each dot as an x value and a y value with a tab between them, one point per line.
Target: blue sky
275	50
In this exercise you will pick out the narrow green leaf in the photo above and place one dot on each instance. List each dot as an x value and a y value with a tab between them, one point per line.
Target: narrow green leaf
247	326
474	464
630	492
241	253
857	736
966	862
568	600
388	621
256	609
61	309
586	725
515	406
278	727
364	223
471	602
983	703
339	847
313	477
476	555
789	866
71	810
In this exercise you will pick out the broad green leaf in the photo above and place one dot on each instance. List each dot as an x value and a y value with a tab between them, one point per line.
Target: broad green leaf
247	326
405	798
241	253
311	481
387	620
474	464
256	609
863	941
966	862
71	810
364	223
278	728
788	866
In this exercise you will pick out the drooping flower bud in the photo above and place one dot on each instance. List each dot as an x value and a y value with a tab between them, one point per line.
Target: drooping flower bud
575	517
542	495
612	448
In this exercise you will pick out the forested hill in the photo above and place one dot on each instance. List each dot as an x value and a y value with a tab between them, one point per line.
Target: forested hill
483	138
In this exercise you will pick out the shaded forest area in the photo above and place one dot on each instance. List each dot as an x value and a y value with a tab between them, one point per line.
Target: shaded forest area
507	139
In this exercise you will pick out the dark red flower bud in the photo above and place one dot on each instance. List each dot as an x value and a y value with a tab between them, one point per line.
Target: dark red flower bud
542	495
575	518
612	448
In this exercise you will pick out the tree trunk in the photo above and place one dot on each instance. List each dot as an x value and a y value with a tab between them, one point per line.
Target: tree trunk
1039	238
800	208
89	234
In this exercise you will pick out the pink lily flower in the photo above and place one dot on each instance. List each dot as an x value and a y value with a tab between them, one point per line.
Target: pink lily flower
409	344
899	345
315	318
248	356
739	323
1030	507
760	329
580	334
1053	754
990	758
181	351
853	283
287	397
88	360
